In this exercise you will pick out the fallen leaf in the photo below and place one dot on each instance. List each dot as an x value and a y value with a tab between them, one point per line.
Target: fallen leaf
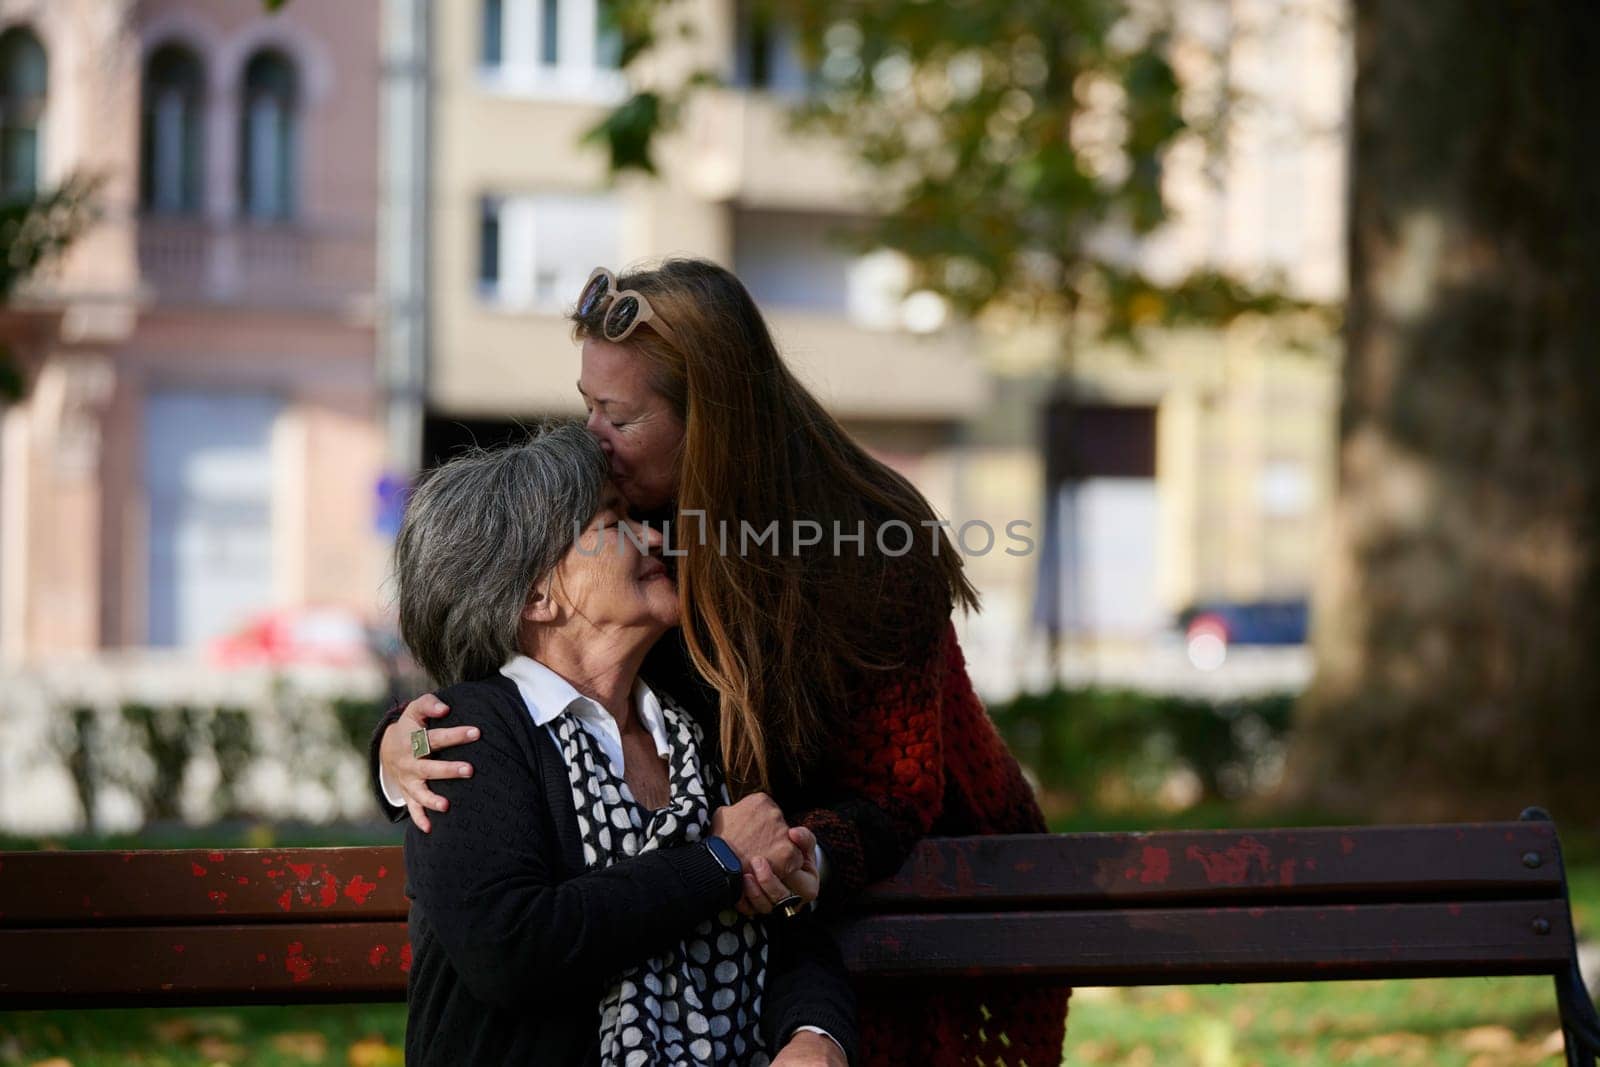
216	1048
1553	1044
375	1052
173	1031
304	1044
1487	1039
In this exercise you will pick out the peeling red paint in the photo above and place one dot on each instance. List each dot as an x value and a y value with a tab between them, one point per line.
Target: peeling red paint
197	870
1311	864
359	889
1286	873
383	872
261	957
242	880
286	900
215	857
330	891
297	963
1455	909
1231	866
178	949
1347	844
375	957
1157	866
301	871
273	876
218	897
405	958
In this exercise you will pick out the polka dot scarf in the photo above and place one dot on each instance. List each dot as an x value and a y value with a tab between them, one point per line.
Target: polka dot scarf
700	1001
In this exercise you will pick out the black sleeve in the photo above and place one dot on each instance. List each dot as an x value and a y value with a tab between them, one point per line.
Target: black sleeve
389	718
807	986
488	880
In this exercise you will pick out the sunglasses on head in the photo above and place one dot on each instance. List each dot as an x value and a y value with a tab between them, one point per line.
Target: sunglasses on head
624	309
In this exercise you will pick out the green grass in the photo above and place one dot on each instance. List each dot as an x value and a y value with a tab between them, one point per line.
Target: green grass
1470	1022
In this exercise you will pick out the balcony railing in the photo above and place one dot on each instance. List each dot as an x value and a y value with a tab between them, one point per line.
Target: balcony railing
326	266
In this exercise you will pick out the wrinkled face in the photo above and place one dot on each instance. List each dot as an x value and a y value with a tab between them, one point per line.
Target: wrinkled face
613	577
636	426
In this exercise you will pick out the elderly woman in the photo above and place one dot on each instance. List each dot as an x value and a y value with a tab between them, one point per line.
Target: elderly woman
827	666
576	908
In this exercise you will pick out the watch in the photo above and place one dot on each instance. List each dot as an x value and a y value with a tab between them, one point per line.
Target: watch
727	859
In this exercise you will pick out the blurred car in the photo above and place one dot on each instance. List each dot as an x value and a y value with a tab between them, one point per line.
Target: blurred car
301	637
1211	629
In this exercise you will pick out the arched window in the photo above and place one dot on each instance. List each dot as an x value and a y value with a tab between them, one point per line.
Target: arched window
174	120
268	137
24	79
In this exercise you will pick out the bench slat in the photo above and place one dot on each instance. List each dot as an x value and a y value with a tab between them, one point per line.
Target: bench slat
140	966
293	963
197	885
1226	867
1158	946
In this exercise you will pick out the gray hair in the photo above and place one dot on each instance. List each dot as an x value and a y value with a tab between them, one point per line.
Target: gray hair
479	534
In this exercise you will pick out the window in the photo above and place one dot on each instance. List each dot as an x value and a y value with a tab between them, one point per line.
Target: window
535	252
268	138
552	47
492	53
174	107
767	54
23	84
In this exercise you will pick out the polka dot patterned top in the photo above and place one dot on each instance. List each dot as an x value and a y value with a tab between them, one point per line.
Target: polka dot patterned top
700	1002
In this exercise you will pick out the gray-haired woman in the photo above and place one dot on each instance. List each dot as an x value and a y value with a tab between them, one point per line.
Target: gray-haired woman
577	906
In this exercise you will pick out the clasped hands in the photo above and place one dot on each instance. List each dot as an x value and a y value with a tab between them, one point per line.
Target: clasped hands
779	860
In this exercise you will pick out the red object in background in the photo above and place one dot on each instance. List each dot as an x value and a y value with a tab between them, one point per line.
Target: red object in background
306	636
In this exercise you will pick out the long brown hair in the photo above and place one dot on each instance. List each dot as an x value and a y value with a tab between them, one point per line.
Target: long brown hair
781	633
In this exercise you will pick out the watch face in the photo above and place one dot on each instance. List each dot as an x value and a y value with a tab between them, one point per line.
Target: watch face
724	855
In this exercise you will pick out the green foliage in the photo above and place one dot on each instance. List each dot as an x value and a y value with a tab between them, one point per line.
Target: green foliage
234	746
1020	147
1089	746
167	737
356	718
35	230
75	740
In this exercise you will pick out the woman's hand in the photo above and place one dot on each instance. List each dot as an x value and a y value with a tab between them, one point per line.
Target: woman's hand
408	775
807	1048
764	889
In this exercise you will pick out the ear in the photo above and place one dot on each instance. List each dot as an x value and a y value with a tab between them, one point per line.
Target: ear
541	606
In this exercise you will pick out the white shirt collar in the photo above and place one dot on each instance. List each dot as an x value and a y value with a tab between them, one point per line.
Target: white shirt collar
548	696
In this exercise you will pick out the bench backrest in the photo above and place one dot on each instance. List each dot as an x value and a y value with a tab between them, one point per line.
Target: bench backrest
300	925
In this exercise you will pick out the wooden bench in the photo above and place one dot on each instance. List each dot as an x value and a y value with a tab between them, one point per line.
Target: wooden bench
85	929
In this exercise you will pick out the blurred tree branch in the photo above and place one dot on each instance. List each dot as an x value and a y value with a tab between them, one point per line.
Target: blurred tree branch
1020	147
34	231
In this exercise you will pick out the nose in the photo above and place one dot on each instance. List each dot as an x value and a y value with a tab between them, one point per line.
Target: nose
596	430
652	536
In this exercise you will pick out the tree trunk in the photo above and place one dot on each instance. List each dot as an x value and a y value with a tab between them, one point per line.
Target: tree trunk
1458	626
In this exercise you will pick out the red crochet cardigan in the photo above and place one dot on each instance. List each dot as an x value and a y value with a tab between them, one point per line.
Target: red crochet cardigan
917	744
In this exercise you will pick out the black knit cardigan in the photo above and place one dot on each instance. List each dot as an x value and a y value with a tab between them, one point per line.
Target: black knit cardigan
514	943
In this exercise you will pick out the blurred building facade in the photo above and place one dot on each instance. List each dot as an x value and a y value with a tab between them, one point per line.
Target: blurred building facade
199	441
521	212
1195	470
339	242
